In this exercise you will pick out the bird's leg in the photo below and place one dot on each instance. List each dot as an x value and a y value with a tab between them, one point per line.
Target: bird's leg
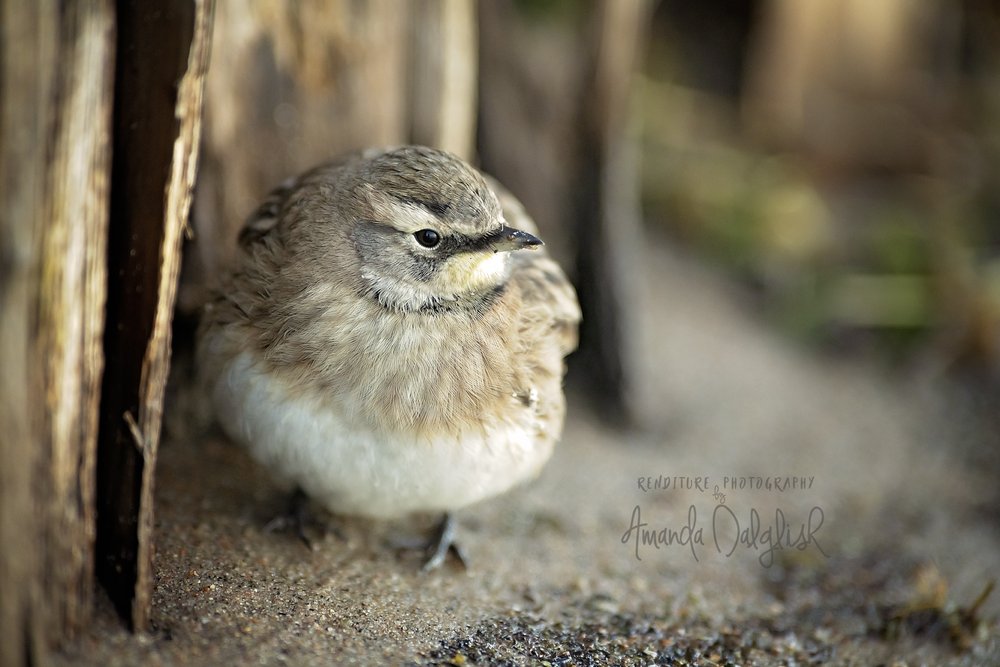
294	518
442	543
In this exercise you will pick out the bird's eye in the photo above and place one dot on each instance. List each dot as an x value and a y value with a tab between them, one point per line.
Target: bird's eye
428	238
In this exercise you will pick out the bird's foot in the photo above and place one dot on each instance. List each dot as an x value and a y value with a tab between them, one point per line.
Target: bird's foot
295	519
442	543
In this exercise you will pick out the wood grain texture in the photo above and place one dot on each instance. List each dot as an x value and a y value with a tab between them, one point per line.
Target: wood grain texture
161	67
444	68
57	74
73	296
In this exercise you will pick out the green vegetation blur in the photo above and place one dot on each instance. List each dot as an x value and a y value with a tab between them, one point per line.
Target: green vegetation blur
840	160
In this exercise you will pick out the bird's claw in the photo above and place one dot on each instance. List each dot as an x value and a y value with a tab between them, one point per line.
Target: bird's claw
442	543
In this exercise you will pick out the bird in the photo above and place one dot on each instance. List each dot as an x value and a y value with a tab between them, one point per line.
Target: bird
392	338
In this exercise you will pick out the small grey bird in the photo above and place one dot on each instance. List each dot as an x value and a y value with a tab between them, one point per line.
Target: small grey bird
392	339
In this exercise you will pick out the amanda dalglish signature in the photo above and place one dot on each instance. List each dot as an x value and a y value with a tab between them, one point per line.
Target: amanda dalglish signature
727	533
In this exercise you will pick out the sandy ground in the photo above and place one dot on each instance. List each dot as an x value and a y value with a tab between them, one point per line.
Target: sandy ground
897	526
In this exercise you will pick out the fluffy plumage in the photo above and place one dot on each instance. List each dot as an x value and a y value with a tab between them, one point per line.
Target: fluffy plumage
380	375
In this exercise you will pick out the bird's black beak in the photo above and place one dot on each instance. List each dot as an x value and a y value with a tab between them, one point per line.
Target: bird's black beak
507	238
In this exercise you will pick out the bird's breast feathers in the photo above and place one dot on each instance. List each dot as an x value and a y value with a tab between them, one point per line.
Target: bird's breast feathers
355	467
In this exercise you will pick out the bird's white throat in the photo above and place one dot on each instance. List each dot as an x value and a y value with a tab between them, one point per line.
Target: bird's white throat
462	276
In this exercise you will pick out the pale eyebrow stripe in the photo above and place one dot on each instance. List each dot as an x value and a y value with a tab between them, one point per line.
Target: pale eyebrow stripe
407	217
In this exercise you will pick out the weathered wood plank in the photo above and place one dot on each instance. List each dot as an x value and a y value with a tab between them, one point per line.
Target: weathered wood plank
54	163
162	61
73	295
444	67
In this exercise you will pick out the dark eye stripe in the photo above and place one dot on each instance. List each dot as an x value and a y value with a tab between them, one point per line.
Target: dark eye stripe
450	245
466	244
453	244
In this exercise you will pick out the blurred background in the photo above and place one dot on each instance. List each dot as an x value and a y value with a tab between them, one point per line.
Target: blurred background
836	160
780	215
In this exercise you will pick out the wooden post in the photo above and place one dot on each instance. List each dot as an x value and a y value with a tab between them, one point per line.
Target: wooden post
443	75
55	101
161	65
606	204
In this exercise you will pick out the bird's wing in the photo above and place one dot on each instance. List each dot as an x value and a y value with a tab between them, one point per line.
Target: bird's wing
543	283
265	218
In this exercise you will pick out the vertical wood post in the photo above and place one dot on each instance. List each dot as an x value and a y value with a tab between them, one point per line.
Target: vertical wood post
55	110
443	74
606	202
161	65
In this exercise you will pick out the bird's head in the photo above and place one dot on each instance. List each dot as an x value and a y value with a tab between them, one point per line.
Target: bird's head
429	232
